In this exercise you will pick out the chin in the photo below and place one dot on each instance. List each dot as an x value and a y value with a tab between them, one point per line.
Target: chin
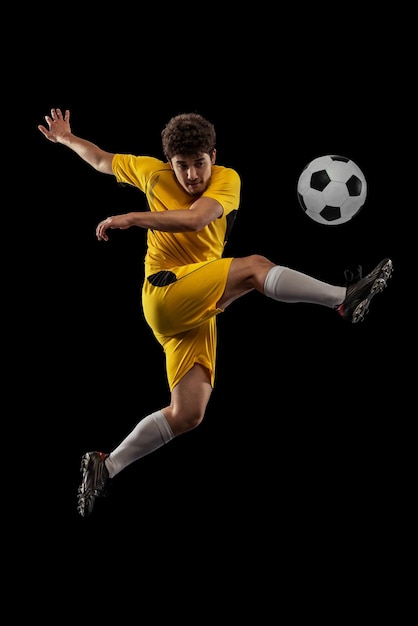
194	190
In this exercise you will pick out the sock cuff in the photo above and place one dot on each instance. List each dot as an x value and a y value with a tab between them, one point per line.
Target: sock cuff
163	426
272	279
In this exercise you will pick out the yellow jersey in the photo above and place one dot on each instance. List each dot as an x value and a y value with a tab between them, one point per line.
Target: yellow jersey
157	181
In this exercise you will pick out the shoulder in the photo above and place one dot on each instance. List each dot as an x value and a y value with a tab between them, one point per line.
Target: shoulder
137	170
133	161
222	175
225	187
227	173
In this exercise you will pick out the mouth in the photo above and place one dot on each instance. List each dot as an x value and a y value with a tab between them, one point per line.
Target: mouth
193	186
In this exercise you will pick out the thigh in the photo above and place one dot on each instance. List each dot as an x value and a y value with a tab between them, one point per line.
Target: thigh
192	393
187	301
196	346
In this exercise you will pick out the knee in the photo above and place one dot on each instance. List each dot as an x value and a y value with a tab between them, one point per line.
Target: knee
193	419
188	419
257	266
257	262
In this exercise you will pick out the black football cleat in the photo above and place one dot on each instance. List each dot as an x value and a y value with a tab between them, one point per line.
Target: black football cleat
361	290
94	481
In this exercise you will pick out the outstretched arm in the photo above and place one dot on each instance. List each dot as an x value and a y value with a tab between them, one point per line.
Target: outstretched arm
59	131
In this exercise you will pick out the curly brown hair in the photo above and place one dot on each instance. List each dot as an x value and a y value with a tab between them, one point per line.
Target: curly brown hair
188	134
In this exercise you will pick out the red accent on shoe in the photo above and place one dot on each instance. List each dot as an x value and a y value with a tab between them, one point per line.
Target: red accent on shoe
340	309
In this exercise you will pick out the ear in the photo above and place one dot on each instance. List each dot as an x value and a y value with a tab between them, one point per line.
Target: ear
213	157
170	163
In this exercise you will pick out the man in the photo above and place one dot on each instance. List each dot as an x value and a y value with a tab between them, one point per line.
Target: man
193	203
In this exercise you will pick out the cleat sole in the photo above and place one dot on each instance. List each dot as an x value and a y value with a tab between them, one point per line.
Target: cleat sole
378	286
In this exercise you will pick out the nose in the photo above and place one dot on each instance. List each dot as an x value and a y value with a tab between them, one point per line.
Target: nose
191	173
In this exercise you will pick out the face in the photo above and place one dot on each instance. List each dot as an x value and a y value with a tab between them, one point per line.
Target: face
193	173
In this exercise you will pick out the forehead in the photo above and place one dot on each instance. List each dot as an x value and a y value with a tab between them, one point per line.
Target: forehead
190	159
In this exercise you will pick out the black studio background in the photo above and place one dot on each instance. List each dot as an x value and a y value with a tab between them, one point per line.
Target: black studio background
299	453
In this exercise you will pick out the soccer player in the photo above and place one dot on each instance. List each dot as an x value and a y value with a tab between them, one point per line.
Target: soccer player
188	282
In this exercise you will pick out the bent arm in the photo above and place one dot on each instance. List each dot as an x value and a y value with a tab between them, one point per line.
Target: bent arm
59	131
201	213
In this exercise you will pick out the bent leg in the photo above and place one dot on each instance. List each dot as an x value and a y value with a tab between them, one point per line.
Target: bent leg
277	282
189	400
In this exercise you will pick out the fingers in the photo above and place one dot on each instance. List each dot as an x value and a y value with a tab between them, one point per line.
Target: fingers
54	124
56	115
44	131
101	229
101	233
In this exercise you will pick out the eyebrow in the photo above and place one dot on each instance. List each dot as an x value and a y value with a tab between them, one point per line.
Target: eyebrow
182	162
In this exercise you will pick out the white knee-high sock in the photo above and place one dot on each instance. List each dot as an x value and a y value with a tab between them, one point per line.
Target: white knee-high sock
287	285
150	433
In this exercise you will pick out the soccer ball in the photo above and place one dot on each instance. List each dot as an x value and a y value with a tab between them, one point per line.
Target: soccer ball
331	189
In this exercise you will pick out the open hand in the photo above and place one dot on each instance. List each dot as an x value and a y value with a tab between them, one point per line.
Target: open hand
58	125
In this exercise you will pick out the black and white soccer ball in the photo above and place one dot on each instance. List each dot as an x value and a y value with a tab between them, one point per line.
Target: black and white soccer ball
331	189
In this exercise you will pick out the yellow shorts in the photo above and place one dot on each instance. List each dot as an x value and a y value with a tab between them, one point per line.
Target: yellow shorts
180	307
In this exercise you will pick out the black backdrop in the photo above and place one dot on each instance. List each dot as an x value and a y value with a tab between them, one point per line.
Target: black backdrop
297	460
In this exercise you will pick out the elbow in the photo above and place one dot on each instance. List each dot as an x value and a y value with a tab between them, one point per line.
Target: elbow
195	228
196	224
